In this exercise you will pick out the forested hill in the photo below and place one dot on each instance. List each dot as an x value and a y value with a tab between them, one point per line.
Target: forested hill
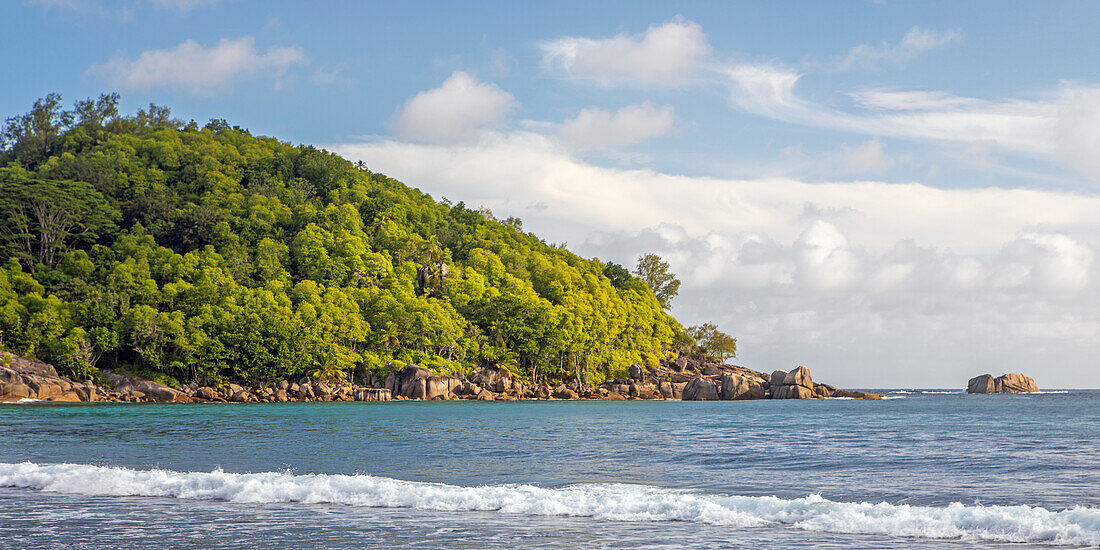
209	254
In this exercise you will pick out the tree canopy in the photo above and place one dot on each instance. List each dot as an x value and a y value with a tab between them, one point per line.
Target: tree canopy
657	274
209	254
712	343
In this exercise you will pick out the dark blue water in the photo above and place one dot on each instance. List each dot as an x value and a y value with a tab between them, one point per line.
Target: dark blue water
925	470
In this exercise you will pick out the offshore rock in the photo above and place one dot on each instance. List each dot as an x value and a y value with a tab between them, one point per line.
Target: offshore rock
980	384
1015	383
852	394
1006	383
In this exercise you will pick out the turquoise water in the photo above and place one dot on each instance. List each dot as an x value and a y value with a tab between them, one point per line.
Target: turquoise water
923	470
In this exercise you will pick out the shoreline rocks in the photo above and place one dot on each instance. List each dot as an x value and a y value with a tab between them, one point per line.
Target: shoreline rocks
1006	383
687	378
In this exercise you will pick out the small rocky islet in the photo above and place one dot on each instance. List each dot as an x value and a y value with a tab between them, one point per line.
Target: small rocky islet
1005	383
687	378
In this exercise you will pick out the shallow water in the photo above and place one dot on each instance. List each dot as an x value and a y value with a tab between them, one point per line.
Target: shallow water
931	469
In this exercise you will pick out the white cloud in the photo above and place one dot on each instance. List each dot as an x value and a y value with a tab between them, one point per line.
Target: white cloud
1060	127
1050	262
823	257
846	277
914	43
198	69
912	100
664	55
1077	131
868	157
454	112
598	129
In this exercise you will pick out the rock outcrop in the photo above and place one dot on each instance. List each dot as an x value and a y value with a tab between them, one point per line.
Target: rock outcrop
738	383
688	378
700	389
737	387
22	378
1006	383
797	384
153	391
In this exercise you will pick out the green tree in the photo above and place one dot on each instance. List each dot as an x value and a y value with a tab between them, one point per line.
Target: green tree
31	137
656	273
713	343
244	258
42	218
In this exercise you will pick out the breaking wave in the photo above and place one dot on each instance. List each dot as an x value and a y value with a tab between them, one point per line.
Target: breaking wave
609	502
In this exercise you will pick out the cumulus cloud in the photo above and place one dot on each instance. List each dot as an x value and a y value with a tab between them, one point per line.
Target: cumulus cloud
1077	131
846	277
599	129
198	69
664	55
914	43
455	112
907	315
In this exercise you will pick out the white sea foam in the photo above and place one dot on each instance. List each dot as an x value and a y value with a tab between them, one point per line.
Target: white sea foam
610	502
22	401
931	392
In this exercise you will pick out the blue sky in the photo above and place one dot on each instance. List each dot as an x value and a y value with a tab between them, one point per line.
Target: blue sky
360	61
893	193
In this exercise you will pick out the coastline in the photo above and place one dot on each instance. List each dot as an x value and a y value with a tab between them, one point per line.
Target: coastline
687	378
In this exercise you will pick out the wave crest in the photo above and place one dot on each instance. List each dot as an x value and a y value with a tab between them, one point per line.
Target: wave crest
611	502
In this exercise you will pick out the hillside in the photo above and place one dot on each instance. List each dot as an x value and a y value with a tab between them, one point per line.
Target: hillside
210	255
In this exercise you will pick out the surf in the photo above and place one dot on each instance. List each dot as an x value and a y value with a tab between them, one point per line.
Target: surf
608	502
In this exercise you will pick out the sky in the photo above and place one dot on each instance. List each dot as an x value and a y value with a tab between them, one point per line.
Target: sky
894	194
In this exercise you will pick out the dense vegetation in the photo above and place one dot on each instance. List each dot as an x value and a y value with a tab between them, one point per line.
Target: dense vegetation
209	254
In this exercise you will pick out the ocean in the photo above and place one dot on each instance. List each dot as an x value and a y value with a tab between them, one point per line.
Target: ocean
926	469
